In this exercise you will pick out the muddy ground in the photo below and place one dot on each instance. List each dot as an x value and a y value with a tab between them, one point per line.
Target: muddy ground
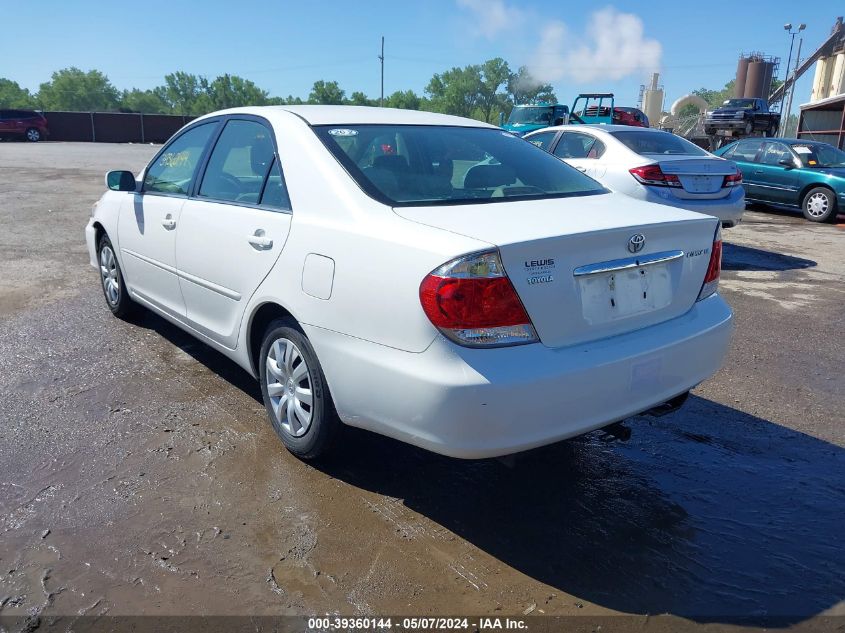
138	474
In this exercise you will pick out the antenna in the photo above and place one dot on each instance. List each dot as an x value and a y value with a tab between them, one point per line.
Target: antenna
381	59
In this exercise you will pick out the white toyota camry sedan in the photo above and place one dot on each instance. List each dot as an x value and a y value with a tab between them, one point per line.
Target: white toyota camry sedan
650	165
423	276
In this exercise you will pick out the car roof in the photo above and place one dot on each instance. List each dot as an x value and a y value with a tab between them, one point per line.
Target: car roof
599	127
356	115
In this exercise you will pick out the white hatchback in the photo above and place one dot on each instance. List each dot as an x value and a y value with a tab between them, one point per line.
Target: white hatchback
427	277
650	165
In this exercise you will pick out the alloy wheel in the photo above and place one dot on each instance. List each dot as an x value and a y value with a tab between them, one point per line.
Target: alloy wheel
33	135
288	382
109	275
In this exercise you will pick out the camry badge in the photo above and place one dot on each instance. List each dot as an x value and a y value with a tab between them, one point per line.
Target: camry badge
636	242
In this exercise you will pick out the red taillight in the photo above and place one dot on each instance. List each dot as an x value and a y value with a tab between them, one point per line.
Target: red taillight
714	268
733	180
471	301
653	175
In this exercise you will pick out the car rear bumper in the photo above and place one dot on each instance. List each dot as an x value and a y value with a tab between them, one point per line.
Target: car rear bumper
475	403
91	243
729	209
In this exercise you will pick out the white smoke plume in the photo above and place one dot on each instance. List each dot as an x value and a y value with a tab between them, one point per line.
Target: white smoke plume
614	47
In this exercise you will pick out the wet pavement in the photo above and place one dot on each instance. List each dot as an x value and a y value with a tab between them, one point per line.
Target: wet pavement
138	474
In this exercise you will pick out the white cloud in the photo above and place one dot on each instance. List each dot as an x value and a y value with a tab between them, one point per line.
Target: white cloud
492	17
613	47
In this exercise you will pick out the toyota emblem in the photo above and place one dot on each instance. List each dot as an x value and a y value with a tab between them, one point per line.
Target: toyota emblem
636	242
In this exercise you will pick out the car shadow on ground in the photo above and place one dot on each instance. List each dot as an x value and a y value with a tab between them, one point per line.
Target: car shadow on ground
736	257
709	513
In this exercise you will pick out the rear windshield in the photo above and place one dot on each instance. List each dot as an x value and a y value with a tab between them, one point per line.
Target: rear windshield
411	165
650	142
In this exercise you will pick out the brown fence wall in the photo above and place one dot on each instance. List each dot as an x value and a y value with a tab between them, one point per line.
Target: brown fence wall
113	127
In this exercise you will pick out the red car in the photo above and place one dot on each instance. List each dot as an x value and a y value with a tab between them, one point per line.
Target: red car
27	124
630	116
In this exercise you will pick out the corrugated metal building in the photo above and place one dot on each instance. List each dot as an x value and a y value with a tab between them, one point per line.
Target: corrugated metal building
823	121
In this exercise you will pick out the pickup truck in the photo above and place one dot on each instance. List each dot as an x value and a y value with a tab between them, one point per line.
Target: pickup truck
742	117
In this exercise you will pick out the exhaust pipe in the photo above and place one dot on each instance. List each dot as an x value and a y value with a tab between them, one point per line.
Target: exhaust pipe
616	431
670	406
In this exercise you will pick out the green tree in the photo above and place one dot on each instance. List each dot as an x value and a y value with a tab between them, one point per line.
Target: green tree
181	91
407	100
456	91
360	99
75	90
231	91
146	101
715	98
495	75
13	96
326	93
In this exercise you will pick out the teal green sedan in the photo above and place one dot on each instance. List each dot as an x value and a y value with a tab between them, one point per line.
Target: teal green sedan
791	173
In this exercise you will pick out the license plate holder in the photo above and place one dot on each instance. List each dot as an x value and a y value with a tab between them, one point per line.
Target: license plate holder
625	293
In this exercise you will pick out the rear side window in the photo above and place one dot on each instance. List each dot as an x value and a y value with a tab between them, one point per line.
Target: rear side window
239	163
173	170
577	145
655	142
275	192
542	140
421	165
747	151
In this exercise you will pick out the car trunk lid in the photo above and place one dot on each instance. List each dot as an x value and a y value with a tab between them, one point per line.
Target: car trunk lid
570	262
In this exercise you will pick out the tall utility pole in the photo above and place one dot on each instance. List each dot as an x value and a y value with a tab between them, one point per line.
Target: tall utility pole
381	59
792	87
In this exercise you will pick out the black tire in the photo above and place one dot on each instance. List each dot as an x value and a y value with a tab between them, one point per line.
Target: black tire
321	433
813	199
32	135
120	303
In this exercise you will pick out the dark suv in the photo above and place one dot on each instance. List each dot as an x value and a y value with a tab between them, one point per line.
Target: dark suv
26	124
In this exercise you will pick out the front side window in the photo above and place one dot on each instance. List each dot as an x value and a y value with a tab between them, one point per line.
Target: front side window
655	142
238	163
578	145
542	140
173	170
411	165
776	152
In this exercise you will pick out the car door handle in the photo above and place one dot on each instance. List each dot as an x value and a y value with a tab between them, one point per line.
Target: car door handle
581	168
758	171
168	222
260	240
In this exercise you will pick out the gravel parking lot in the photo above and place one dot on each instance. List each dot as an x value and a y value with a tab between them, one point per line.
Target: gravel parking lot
138	474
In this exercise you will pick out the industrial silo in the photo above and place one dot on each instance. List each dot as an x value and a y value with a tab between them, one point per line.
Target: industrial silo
653	101
741	75
759	79
821	79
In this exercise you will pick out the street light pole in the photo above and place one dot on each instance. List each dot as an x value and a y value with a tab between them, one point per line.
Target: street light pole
788	27
785	122
381	59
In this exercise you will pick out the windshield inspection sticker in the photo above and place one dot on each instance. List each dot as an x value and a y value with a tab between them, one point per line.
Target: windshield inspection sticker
539	271
340	131
802	149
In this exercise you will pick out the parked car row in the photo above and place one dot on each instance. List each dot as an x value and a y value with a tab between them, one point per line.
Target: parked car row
661	167
428	277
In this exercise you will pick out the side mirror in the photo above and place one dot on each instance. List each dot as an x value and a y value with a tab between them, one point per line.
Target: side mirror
786	162
121	181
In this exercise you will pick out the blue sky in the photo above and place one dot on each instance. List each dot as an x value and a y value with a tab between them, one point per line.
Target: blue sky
285	46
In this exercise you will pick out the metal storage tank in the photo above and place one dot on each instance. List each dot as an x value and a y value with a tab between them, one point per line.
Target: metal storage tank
759	79
741	75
